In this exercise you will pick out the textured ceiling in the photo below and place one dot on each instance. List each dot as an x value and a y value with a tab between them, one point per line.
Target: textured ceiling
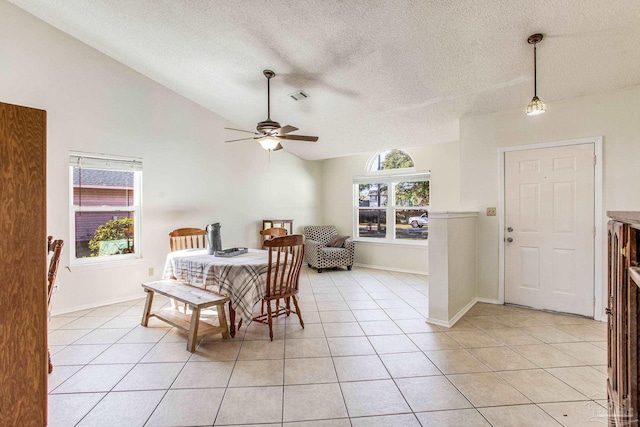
380	73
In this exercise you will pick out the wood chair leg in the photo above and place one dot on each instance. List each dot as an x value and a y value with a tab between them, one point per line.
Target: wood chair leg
232	321
270	320
295	303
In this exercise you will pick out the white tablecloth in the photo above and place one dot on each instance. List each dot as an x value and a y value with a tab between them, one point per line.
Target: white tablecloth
243	277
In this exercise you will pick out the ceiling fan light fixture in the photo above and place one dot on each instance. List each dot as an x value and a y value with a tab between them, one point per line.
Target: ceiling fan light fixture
269	132
536	106
268	143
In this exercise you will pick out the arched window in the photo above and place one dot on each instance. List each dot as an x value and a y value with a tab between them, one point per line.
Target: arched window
391	189
390	159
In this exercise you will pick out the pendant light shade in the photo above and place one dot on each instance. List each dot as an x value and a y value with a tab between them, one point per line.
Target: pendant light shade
536	106
268	143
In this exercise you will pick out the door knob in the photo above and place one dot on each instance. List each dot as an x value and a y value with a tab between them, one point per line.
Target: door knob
509	229
509	240
608	311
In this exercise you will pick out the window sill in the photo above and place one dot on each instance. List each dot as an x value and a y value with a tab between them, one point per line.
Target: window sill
381	242
104	263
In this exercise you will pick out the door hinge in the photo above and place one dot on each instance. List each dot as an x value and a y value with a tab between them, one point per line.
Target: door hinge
595	160
623	251
594	230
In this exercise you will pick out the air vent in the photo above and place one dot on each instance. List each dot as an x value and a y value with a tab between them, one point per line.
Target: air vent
299	95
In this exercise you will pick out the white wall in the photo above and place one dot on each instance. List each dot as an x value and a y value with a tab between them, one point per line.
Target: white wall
453	272
191	178
615	116
462	263
337	201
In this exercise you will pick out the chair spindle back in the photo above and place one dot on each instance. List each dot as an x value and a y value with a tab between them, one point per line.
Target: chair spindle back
187	238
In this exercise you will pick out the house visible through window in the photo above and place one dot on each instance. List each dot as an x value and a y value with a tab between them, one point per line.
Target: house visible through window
392	200
105	207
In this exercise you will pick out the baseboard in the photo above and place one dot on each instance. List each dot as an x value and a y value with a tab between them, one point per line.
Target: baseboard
438	322
601	318
398	270
96	305
461	313
489	301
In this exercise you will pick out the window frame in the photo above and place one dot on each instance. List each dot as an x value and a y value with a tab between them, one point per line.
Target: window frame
390	178
114	163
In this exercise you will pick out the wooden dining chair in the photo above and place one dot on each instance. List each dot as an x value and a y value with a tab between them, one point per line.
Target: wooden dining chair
286	254
272	232
187	238
268	234
54	247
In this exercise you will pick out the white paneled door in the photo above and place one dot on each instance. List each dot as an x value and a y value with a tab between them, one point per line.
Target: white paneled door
549	228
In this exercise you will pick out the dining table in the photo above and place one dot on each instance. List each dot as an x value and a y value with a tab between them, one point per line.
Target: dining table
242	277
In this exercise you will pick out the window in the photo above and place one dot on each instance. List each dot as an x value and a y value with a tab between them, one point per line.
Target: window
390	159
105	195
392	200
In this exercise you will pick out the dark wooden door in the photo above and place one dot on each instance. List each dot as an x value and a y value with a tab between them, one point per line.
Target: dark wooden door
23	271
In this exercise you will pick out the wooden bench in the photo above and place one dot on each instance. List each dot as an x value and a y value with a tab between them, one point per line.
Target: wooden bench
197	299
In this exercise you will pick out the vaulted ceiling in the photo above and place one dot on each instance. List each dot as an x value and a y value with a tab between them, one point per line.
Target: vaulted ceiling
379	73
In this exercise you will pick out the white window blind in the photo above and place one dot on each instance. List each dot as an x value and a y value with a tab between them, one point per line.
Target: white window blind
92	161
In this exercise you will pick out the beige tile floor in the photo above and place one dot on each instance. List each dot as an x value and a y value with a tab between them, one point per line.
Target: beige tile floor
365	358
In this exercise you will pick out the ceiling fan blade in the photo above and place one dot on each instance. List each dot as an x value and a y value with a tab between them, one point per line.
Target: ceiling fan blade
299	137
241	139
286	129
278	147
242	130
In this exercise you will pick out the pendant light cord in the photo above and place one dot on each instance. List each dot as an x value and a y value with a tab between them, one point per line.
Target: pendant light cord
535	72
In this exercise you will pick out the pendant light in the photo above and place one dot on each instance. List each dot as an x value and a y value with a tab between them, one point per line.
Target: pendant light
268	143
536	106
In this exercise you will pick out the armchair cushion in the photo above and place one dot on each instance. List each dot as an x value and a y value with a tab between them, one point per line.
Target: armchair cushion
337	241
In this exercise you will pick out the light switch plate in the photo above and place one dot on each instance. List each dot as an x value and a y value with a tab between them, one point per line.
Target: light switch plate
491	211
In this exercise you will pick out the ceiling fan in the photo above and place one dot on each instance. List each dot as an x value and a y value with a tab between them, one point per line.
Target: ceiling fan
270	132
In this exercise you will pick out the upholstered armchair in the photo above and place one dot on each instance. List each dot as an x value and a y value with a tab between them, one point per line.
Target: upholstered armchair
318	255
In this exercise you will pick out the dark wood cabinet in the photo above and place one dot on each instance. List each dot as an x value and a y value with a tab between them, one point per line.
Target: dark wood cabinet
281	223
623	316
